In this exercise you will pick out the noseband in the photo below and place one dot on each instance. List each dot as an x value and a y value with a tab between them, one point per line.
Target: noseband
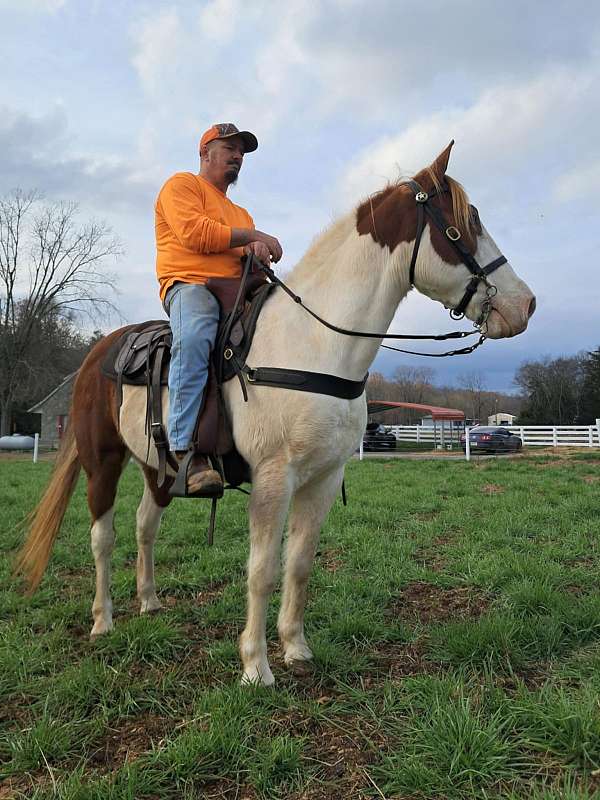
453	235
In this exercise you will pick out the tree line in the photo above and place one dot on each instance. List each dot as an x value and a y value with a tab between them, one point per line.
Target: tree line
553	391
561	391
417	385
52	275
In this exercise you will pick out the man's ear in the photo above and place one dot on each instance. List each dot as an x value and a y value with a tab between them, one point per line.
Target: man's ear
204	151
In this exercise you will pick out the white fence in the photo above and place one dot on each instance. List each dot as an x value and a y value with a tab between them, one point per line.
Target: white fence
415	433
543	435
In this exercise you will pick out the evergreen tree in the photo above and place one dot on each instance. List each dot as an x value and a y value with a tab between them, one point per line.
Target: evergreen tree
590	400
553	390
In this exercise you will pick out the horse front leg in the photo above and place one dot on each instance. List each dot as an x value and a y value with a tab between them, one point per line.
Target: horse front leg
310	506
149	513
271	492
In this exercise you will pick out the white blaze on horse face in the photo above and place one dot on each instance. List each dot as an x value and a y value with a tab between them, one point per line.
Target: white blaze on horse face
512	305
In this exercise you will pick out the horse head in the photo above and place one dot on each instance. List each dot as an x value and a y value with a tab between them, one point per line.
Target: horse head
447	253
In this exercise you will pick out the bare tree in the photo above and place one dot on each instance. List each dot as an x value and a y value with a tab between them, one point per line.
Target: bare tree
474	385
50	267
414	385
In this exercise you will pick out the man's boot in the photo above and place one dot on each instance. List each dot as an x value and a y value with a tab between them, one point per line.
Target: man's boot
202	479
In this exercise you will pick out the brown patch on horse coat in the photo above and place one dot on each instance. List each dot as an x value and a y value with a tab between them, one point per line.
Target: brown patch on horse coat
390	216
101	449
160	494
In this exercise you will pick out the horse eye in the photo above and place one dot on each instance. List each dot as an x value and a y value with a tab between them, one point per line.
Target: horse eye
475	217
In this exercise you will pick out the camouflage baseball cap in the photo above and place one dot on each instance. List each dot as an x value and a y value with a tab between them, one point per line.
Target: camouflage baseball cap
223	130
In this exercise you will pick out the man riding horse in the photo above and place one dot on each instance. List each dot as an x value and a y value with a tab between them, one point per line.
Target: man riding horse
201	234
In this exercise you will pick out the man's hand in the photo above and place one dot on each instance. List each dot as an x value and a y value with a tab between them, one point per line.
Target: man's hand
259	250
258	241
271	244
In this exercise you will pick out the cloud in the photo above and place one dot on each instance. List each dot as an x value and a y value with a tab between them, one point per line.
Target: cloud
158	53
41	6
580	182
39	152
499	133
232	61
218	19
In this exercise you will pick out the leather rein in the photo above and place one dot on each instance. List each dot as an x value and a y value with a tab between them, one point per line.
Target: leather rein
480	274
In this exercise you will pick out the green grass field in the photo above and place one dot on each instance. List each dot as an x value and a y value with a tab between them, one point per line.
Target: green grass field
454	614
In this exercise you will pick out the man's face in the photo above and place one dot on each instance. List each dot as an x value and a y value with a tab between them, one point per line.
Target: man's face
225	157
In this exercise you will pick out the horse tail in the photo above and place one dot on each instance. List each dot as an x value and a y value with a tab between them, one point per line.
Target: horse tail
45	520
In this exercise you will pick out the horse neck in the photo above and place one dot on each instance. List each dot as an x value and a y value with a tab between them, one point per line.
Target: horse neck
352	282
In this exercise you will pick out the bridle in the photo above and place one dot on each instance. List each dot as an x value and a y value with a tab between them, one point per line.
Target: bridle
480	275
334	385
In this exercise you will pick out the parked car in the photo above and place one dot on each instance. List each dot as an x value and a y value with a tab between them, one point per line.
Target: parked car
492	439
377	437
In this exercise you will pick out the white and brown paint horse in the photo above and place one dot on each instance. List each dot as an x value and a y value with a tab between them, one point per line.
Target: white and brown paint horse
355	275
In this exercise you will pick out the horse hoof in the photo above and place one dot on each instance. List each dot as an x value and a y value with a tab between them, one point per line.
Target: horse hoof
150	606
256	677
100	629
299	668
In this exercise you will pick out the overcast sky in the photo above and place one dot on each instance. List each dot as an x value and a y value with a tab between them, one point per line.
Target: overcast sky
101	101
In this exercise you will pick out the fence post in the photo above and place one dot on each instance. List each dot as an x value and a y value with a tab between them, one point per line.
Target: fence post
360	451
419	432
598	430
554	437
590	436
467	444
36	445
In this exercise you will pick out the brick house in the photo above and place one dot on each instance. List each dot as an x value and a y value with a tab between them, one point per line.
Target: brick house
54	412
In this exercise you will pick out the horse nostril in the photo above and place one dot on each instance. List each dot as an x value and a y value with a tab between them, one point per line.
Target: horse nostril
531	309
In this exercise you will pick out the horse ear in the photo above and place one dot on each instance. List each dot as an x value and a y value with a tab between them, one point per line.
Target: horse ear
440	165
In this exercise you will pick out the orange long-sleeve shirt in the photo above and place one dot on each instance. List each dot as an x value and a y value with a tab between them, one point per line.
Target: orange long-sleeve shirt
193	222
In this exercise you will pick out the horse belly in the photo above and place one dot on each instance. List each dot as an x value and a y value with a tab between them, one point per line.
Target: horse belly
132	421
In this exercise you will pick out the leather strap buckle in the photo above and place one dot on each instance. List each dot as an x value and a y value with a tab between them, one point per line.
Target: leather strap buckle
158	433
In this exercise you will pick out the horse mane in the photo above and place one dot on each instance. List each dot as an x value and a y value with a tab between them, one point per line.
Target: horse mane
461	207
331	237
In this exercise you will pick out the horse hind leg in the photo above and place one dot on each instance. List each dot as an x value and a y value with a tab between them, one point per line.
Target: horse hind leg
149	513
310	506
102	490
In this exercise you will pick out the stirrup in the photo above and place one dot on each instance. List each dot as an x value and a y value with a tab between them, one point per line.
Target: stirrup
179	487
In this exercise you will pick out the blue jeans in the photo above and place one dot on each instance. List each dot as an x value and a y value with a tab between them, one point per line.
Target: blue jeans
194	315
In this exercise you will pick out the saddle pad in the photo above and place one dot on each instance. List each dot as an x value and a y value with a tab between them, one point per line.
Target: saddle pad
128	358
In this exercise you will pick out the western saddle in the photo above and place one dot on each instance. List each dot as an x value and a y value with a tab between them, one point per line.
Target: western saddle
141	355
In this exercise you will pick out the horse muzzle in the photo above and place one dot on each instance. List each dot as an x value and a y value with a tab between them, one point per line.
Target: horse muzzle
510	316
